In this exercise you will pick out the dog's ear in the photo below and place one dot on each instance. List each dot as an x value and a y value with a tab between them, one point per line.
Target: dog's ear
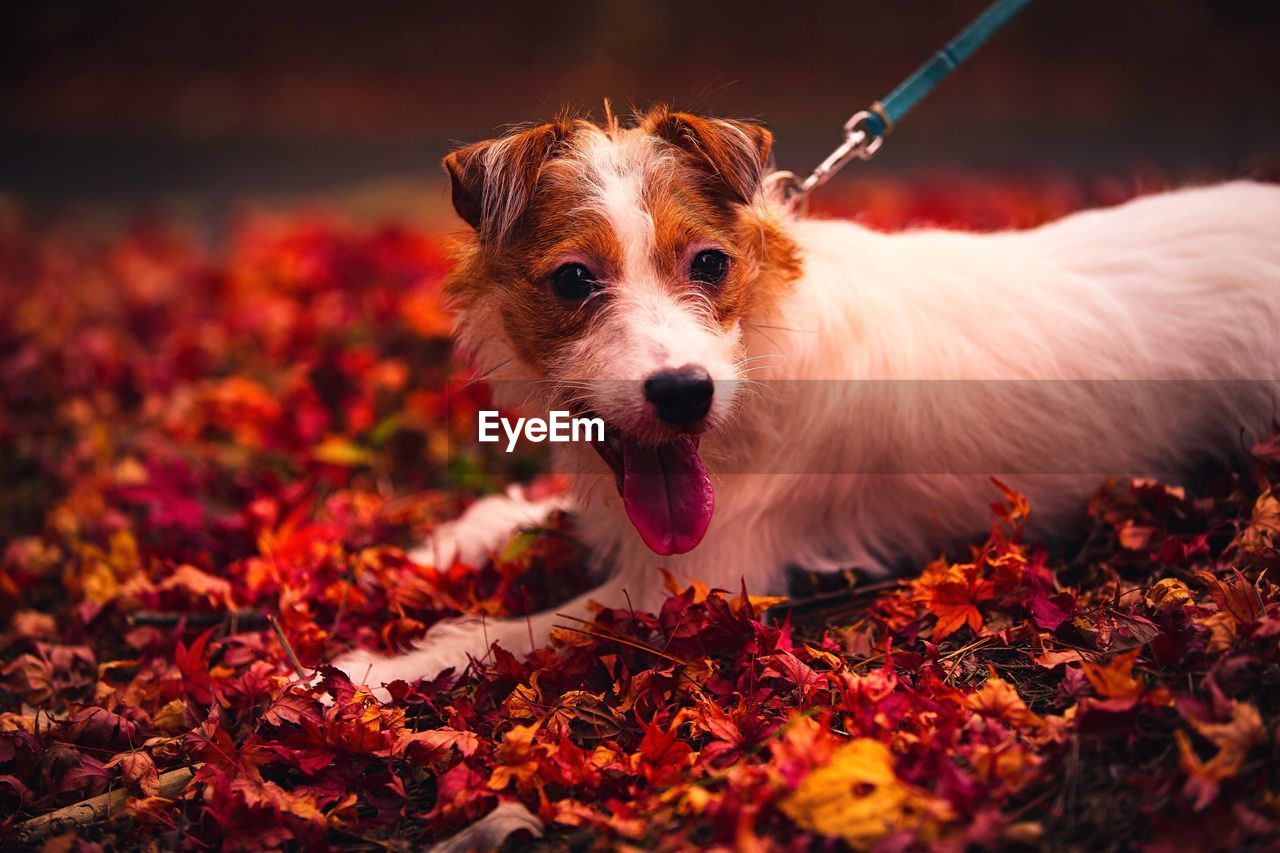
492	181
735	153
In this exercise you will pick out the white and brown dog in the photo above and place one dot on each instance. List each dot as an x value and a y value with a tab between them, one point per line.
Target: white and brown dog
781	390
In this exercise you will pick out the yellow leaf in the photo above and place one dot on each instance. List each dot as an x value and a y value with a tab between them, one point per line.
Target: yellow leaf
568	638
130	472
170	717
518	546
693	800
10	722
1169	592
700	590
1263	531
832	660
122	553
519	757
525	702
335	450
857	797
761	603
1011	763
1222	632
603	756
99	582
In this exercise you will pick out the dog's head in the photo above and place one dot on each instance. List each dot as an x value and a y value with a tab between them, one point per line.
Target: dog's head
614	267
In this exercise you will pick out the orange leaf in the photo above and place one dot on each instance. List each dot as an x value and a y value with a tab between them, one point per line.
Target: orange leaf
1263	531
519	756
138	771
1015	509
1114	680
198	585
953	595
1000	700
431	746
1234	740
1235	596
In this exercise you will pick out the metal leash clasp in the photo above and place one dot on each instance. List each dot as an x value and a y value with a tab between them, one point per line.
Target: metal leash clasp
865	131
860	142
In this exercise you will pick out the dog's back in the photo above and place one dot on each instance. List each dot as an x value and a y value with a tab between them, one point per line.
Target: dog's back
1197	269
1134	340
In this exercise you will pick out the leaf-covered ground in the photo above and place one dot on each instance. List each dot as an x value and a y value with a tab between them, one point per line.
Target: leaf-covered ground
197	443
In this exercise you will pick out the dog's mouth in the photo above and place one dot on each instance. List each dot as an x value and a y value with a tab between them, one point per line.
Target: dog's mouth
665	488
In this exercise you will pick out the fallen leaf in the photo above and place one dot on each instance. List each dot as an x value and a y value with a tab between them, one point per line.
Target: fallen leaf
1168	592
1115	679
138	771
857	797
431	747
1234	739
998	699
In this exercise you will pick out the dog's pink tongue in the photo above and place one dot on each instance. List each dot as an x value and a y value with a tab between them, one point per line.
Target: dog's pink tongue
667	493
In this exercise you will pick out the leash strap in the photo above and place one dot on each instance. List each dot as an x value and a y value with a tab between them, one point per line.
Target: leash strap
888	112
865	130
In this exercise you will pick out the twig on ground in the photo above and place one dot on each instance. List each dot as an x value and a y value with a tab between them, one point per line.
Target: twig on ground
94	809
605	635
823	598
288	649
248	620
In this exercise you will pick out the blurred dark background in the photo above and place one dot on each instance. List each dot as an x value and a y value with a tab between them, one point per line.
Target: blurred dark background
133	102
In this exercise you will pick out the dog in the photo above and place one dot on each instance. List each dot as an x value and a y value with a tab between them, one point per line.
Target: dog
782	390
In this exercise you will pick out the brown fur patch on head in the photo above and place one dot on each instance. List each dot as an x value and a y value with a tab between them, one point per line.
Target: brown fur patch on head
492	182
532	199
712	200
732	155
688	218
726	161
518	194
539	325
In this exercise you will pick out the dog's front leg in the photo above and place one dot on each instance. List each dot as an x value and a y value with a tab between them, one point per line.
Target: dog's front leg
486	526
453	643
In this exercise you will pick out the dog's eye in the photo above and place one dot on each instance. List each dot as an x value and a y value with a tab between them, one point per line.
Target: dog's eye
573	282
709	266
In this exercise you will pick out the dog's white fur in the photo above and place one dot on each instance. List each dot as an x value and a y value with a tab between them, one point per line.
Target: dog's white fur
1179	286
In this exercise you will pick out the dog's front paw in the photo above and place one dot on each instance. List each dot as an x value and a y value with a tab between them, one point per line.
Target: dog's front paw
365	667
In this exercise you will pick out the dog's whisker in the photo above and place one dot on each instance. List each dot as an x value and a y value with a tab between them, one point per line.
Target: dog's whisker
782	328
483	376
770	339
771	356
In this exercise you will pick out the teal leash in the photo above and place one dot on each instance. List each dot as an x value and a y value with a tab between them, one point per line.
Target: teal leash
894	108
865	130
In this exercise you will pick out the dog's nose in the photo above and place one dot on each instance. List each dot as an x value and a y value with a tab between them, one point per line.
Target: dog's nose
682	396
